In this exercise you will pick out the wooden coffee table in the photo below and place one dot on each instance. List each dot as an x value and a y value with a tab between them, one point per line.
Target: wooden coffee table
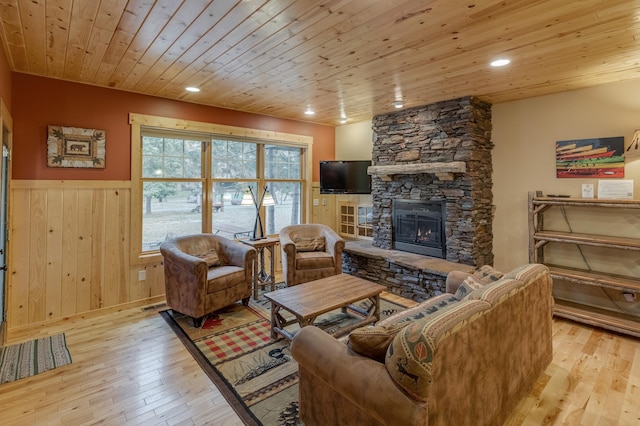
309	300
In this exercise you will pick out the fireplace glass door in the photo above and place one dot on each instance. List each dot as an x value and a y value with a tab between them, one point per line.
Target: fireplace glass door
418	227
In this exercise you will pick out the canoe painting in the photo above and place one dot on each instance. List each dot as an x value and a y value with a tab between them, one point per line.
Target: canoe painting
590	158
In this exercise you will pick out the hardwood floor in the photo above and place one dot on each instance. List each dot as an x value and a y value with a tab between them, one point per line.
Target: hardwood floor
129	368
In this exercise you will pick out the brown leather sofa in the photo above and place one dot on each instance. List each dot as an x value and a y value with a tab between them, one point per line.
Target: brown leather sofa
468	360
310	252
205	272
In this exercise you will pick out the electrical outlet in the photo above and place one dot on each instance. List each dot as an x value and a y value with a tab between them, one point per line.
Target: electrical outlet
142	275
324	201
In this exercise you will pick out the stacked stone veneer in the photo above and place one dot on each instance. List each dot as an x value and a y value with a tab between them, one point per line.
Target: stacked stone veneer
455	130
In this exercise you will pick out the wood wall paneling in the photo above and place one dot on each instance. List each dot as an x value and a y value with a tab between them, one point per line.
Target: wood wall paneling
325	211
84	244
18	290
54	245
71	241
37	255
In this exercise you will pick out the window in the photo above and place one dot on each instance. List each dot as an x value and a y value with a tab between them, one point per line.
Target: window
190	182
172	186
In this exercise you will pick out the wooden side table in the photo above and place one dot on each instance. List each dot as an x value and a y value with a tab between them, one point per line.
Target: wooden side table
260	276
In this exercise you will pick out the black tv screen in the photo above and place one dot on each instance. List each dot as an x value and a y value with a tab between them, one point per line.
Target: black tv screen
345	177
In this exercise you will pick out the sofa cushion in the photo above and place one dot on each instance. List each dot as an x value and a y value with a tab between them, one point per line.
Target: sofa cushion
373	341
410	354
498	291
470	284
309	243
313	260
210	256
527	272
487	274
419	311
223	277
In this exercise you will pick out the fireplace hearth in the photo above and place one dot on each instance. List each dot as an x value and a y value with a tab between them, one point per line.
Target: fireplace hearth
419	227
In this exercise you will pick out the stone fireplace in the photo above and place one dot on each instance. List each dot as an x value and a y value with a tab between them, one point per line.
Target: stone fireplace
438	154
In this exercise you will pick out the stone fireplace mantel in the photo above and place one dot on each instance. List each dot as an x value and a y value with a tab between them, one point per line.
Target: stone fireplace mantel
444	171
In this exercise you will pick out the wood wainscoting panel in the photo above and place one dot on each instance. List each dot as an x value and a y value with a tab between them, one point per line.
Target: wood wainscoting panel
38	230
52	254
70	244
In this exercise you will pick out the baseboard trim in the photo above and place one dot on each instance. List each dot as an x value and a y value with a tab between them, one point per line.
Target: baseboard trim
44	328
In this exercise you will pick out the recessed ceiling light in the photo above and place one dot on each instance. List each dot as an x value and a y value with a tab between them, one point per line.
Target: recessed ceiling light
343	120
309	111
397	104
192	89
500	62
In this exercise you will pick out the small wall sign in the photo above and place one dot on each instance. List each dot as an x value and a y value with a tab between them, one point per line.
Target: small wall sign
76	147
621	189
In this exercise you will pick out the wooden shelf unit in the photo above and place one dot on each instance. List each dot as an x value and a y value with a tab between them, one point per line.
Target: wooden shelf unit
574	310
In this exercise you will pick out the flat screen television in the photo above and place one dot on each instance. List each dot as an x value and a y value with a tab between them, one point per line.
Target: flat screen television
345	177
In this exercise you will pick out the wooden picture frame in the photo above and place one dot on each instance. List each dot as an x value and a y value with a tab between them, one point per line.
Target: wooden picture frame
76	147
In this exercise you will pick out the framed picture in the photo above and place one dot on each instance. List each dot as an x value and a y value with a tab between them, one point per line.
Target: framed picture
76	147
590	158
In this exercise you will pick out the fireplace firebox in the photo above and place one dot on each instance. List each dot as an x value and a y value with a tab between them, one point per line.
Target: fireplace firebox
419	227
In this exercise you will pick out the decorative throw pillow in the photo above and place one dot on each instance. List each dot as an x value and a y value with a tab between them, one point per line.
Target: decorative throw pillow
487	274
309	244
210	256
454	279
470	284
373	341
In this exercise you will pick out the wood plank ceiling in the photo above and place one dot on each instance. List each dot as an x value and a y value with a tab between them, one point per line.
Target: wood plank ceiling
349	58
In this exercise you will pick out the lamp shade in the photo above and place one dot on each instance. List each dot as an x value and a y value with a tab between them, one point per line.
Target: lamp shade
268	200
247	199
633	150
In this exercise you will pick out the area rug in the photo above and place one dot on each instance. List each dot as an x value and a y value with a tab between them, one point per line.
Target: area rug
33	357
257	375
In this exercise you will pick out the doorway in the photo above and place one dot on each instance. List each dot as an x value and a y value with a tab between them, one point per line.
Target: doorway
4	204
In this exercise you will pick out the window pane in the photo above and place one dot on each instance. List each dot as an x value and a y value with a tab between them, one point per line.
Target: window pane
231	219
192	159
233	159
151	145
282	162
170	209
173	147
173	167
286	211
151	166
171	157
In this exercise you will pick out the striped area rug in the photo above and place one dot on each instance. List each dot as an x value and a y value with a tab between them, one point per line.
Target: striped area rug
33	357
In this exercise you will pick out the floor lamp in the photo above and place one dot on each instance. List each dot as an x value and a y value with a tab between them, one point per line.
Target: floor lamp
266	199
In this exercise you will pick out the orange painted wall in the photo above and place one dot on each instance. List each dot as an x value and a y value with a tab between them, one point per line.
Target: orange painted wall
5	78
40	102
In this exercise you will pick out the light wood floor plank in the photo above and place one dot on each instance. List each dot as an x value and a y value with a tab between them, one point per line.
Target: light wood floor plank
129	368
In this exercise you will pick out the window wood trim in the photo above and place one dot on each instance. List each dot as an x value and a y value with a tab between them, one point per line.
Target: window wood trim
138	121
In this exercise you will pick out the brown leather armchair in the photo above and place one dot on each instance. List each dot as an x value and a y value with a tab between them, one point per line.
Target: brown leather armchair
310	252
205	272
